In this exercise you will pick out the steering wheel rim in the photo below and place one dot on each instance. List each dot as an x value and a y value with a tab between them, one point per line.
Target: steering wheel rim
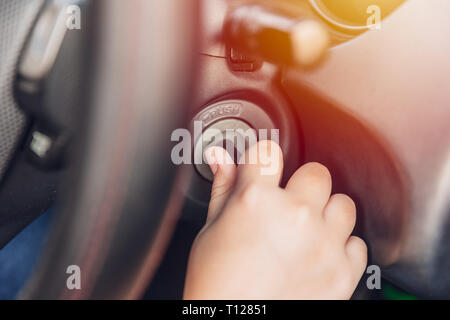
114	222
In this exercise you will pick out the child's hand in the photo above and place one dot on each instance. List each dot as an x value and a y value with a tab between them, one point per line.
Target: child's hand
264	242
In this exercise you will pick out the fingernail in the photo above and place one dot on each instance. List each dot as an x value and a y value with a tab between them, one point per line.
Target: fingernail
211	160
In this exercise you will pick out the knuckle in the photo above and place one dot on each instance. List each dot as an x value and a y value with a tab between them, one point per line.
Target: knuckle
250	195
363	252
317	171
305	212
347	207
269	146
360	244
359	250
345	201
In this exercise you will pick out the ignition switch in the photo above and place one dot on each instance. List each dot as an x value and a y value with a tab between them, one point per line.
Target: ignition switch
232	124
233	135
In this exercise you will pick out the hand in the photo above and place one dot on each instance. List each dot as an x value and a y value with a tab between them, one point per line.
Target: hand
264	242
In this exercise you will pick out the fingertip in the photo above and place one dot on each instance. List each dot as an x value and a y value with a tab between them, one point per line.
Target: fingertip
219	160
311	184
210	159
340	214
224	170
317	170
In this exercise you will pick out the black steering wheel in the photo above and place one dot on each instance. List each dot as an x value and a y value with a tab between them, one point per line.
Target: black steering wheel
114	220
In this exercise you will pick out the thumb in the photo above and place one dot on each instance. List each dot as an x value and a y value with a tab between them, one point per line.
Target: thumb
224	170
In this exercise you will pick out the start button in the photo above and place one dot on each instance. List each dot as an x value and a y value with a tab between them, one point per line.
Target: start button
233	135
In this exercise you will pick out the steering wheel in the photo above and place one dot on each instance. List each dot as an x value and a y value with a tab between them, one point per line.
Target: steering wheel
114	220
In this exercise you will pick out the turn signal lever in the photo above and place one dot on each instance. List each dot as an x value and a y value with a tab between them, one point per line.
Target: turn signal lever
273	32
